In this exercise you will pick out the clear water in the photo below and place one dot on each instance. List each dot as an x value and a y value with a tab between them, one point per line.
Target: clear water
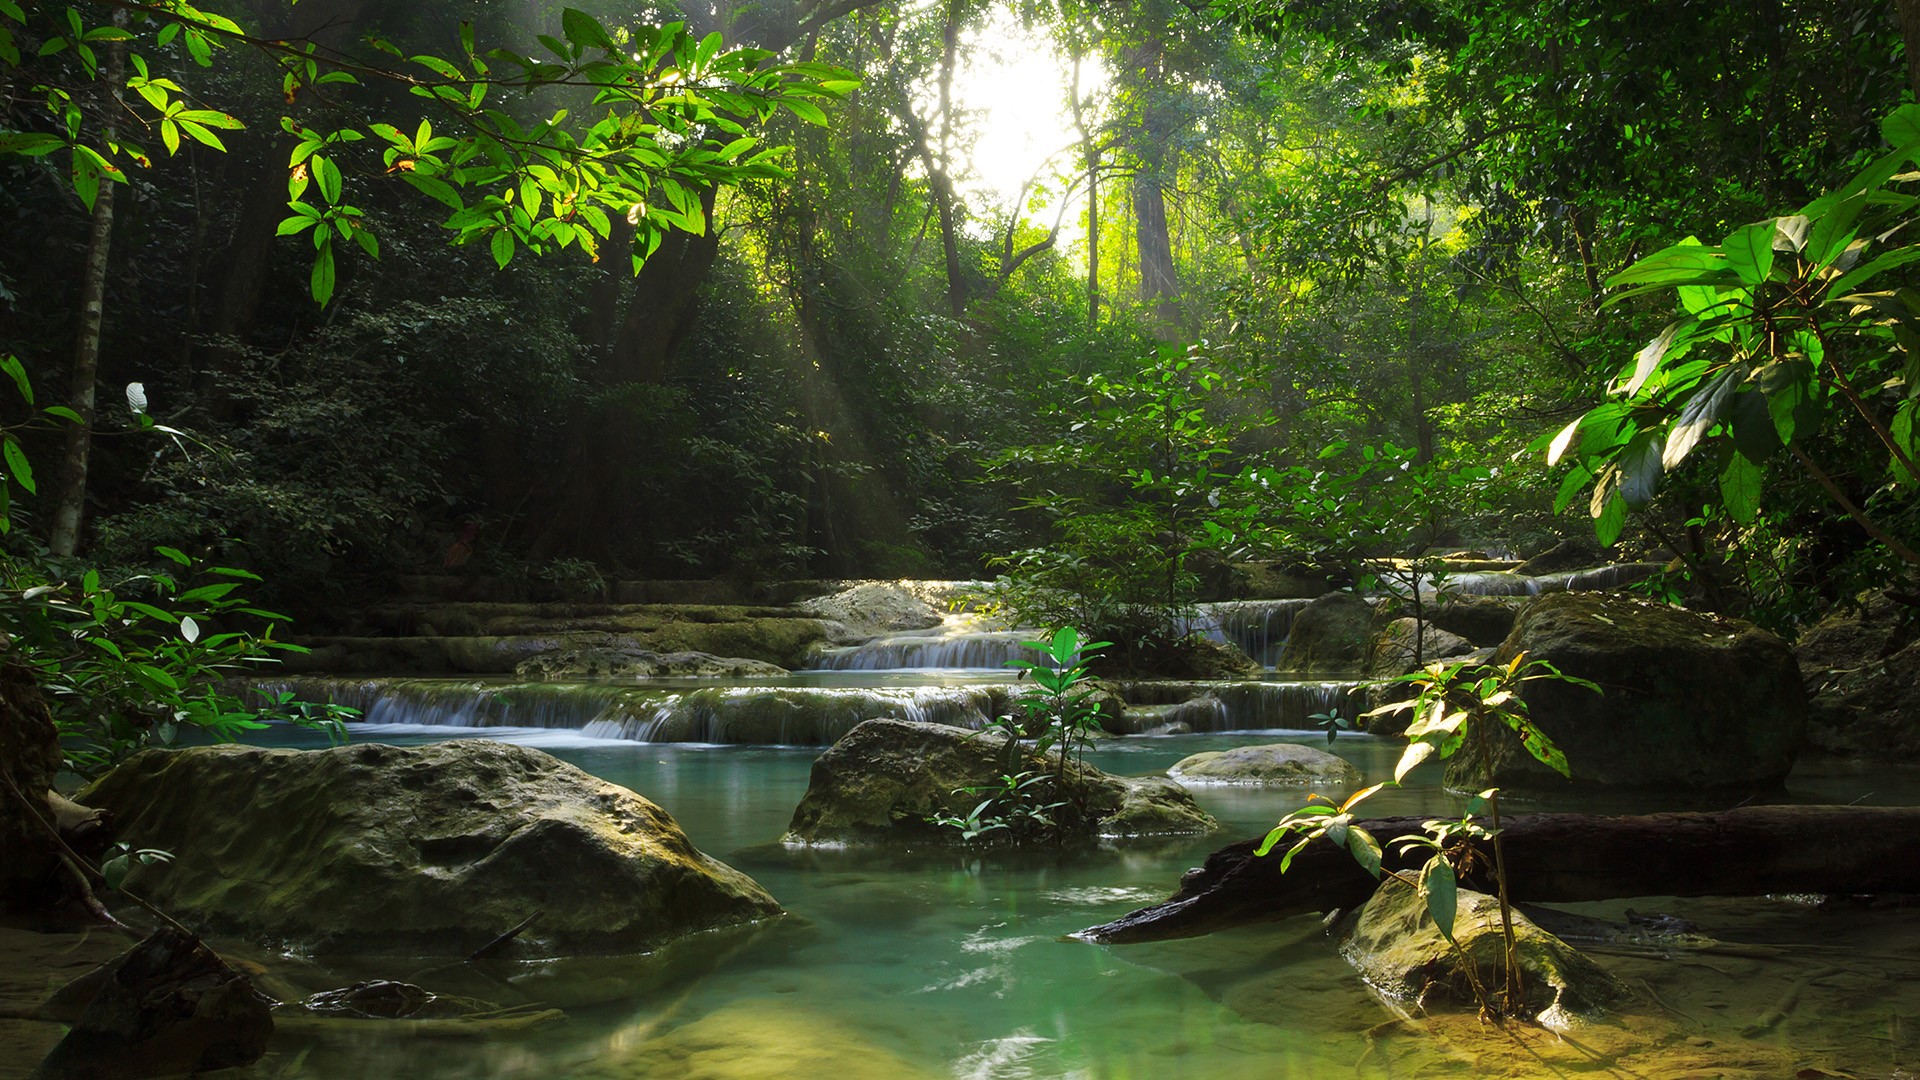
959	966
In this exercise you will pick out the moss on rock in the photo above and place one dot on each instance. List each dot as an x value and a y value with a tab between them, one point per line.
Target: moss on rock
430	850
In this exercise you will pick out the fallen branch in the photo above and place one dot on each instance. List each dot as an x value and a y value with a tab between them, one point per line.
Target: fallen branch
1751	851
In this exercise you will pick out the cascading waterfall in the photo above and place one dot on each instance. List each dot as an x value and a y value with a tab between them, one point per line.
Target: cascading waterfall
1253	705
1258	628
803	716
957	643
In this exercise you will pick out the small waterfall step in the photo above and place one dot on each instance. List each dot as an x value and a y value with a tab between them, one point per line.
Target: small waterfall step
769	715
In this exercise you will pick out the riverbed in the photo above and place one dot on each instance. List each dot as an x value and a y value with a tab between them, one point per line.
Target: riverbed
960	965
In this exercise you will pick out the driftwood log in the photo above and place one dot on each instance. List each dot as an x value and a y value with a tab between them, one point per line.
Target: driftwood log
1751	851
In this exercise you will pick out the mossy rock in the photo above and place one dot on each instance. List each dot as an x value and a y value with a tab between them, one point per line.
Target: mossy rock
884	779
1394	945
1272	764
430	850
1862	665
1394	653
1333	635
1689	700
603	662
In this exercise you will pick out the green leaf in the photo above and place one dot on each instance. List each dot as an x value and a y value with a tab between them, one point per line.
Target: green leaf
1640	468
18	372
1880	264
1442	890
17	464
1611	521
583	29
1365	849
1902	126
29	143
175	554
502	248
1750	252
322	279
207	592
1740	484
1412	756
1647	359
1703	410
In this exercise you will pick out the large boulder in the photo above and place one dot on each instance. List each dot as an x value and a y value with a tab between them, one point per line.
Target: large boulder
430	850
1563	557
870	608
1272	764
1689	700
1862	665
616	661
1393	943
1331	636
1394	652
1483	620
882	781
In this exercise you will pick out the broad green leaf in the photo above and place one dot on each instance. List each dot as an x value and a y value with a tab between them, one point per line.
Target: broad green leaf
584	30
1750	252
1640	468
18	465
1365	849
1852	280
1610	521
1688	262
1901	128
18	373
1411	757
1442	890
321	282
502	248
1703	410
1740	484
1648	358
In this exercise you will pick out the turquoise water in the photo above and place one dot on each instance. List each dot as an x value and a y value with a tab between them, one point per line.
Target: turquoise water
959	967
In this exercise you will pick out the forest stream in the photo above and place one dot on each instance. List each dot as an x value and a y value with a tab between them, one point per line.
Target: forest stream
958	965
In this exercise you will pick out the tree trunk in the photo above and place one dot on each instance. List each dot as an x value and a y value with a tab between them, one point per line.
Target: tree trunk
1750	851
1907	13
65	538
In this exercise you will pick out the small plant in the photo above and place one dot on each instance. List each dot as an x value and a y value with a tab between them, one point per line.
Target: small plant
131	664
1332	723
124	857
1451	700
1056	714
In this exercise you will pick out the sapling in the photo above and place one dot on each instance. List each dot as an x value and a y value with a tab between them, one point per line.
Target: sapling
1450	700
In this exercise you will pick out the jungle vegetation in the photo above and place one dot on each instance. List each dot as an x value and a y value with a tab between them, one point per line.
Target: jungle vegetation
322	292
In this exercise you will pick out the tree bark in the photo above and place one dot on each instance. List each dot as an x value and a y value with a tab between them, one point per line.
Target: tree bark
1907	14
1750	851
65	538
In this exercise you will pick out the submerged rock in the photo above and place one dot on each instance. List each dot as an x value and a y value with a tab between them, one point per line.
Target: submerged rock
1332	635
770	1038
1394	945
431	850
1393	649
614	661
1690	700
1272	764
1862	666
881	782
